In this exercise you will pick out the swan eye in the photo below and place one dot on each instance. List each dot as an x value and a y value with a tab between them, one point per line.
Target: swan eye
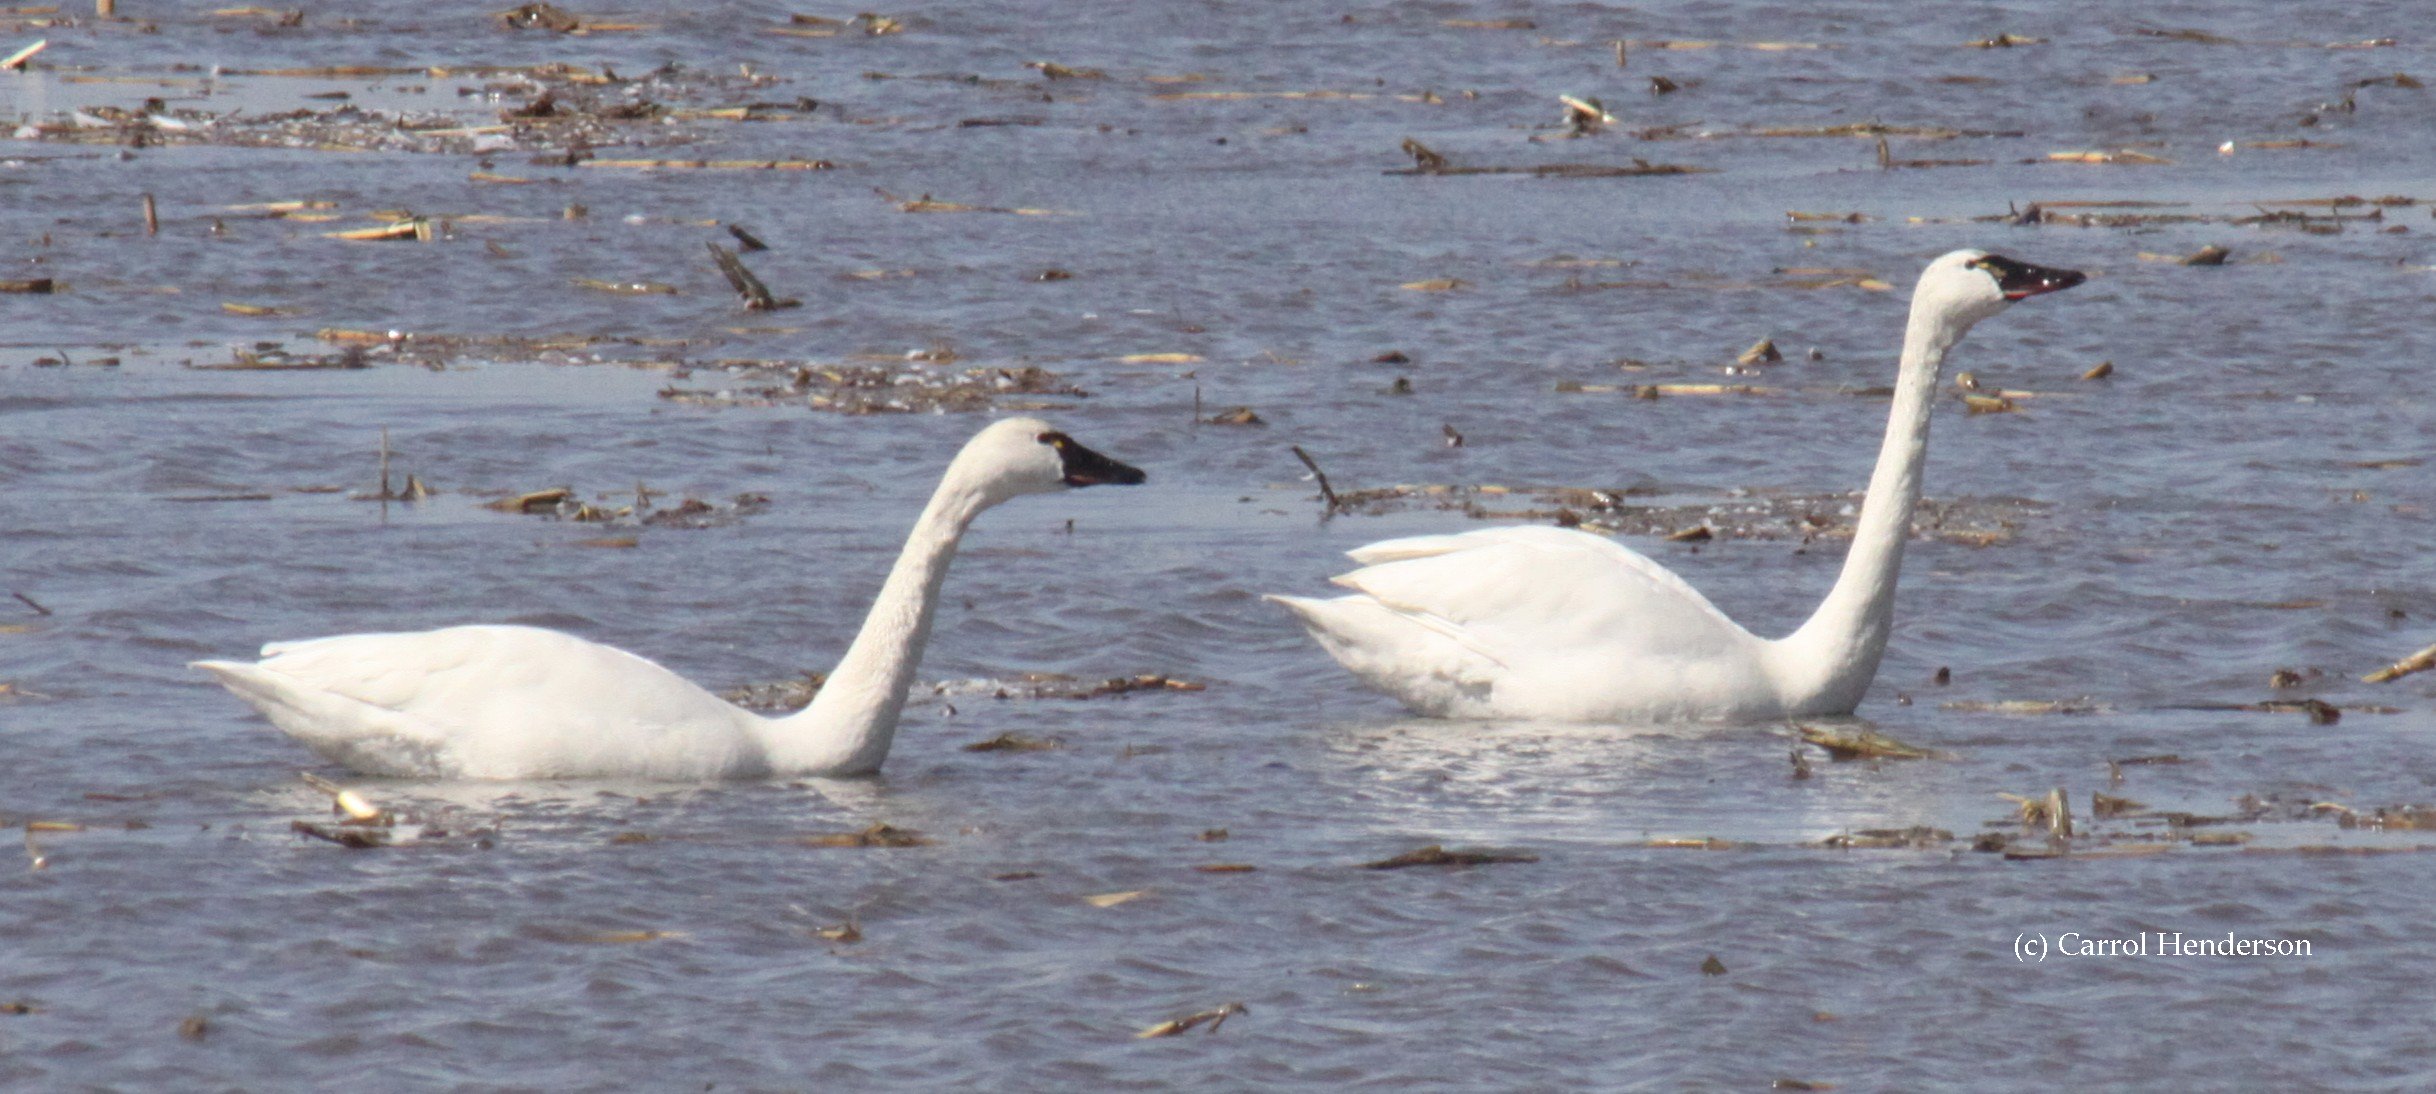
1055	439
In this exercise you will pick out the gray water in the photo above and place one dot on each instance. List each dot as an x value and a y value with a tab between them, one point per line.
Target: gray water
2244	495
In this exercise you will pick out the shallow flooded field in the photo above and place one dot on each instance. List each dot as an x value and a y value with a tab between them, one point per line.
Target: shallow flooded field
1195	237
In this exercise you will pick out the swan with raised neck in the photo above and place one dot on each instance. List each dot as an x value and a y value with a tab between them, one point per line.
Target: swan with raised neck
509	702
1555	624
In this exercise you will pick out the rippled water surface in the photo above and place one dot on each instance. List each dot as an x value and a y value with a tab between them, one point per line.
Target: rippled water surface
2245	494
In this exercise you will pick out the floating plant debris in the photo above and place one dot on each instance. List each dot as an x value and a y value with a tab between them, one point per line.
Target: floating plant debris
1434	855
2210	255
2417	662
625	288
619	938
2052	812
355	806
1301	96
1213	1017
566	110
878	835
756	295
1888	162
1584	117
2142	761
562	503
2393	818
1050	685
2320	712
709	165
2023	707
914	386
1737	514
539	16
1861	743
16	61
925	204
418	229
1427	161
1916	838
1123	685
1011	741
2123	155
1054	71
273	357
358	838
1696	843
2108	805
1797	217
538	501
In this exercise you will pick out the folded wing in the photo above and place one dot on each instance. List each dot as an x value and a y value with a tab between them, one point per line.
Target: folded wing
488	700
1515	620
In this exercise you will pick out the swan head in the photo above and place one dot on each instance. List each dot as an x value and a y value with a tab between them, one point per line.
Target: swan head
1964	287
1028	456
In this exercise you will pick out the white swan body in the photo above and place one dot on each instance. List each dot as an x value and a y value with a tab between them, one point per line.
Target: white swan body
1549	624
504	702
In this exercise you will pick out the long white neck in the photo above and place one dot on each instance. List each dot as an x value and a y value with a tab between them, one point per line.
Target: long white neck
1835	654
852	721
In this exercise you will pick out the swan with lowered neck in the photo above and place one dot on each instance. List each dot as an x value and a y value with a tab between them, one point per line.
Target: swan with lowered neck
1557	625
505	702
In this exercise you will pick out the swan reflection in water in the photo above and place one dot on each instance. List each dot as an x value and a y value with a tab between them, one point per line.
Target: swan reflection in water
1534	783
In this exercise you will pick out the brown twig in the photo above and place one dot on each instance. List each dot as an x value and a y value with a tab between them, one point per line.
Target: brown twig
2417	662
1326	491
756	295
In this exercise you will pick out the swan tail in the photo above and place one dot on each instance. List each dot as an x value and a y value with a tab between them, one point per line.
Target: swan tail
1398	550
1424	662
359	735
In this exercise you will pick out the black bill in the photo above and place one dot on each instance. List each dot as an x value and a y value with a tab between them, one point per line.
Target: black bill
1085	467
2021	280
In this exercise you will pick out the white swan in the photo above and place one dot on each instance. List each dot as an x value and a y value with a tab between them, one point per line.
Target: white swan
1555	625
501	702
